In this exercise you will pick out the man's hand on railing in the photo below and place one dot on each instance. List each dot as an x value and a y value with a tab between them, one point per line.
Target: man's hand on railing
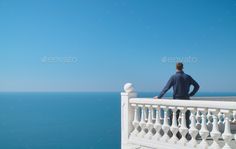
156	97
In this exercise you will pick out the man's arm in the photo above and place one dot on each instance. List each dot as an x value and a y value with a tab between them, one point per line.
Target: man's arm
195	85
167	87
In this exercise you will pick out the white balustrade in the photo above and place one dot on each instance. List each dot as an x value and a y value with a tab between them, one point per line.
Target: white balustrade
211	123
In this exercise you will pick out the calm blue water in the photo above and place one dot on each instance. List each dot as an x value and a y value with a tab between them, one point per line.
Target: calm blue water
62	120
59	121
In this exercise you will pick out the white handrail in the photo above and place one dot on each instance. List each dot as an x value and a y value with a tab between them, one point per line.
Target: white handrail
226	105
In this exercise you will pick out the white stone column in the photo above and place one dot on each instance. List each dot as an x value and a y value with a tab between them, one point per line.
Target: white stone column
209	120
198	119
183	129
142	122
204	131
149	124
165	126
215	133
127	113
234	117
193	131
157	125
174	128
135	121
227	135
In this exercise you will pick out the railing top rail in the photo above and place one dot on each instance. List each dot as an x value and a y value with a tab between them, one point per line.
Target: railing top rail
218	98
226	105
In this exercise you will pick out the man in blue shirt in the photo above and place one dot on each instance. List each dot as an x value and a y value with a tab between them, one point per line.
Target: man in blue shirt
181	83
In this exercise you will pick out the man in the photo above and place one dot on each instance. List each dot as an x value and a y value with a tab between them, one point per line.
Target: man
181	83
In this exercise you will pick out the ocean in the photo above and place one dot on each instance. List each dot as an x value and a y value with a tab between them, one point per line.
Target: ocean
63	120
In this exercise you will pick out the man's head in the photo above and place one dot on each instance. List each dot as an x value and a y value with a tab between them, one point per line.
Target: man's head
179	66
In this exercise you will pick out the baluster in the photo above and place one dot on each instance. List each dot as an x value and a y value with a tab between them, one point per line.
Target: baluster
204	131
146	114
183	129
174	128
142	123
234	117
215	133
161	115
153	115
227	135
193	131
220	117
135	122
157	125
209	120
165	126
149	124
198	118
220	121
179	119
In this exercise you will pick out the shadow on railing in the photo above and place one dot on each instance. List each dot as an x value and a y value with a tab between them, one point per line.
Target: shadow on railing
176	124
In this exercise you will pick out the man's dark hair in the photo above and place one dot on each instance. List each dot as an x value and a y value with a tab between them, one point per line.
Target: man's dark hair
179	66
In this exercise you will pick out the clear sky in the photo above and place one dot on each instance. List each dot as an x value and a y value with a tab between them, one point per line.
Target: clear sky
98	45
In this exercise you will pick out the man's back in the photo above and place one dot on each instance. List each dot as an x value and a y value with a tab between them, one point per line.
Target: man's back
181	83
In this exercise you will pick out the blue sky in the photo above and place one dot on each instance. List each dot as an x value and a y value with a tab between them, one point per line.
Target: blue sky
91	45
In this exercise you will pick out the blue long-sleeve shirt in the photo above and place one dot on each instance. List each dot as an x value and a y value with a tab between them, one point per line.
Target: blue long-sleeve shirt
181	83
